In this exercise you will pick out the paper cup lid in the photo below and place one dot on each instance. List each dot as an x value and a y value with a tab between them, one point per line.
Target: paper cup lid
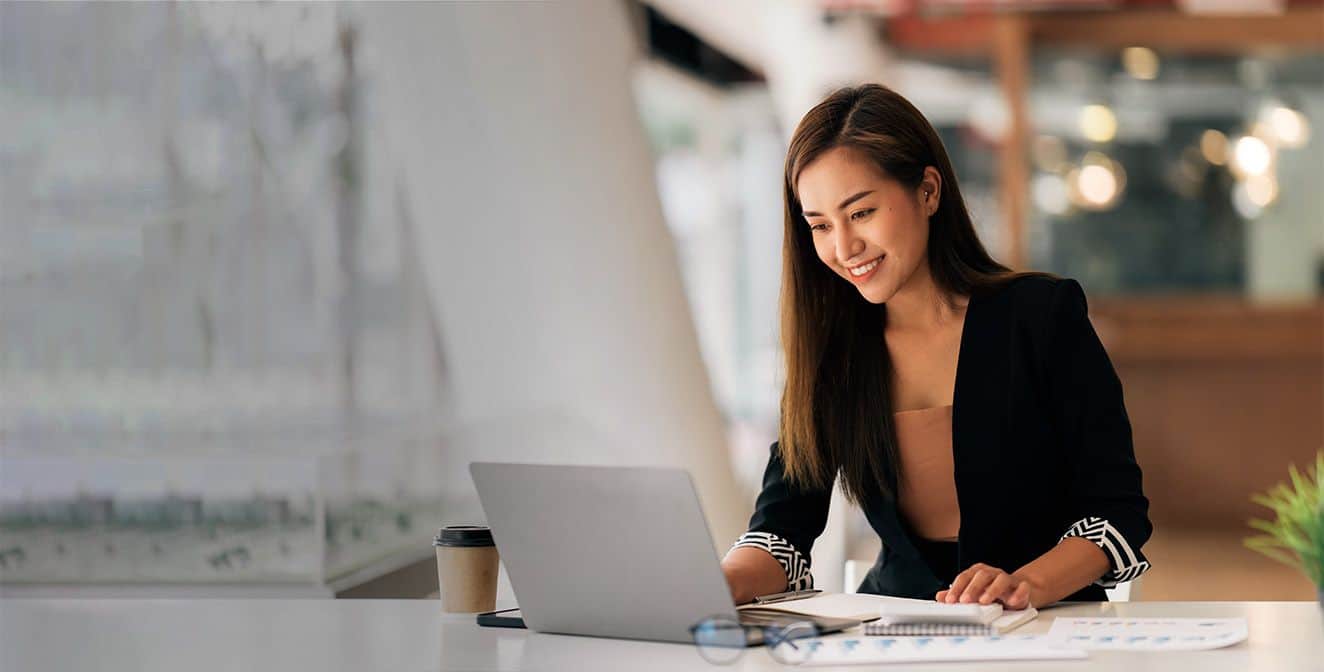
464	535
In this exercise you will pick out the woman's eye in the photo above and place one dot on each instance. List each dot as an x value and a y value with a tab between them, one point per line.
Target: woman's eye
861	214
817	227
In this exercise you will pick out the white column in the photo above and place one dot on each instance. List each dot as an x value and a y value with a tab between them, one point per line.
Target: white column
566	332
1284	245
801	57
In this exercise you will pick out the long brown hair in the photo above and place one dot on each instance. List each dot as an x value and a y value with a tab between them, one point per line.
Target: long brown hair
836	408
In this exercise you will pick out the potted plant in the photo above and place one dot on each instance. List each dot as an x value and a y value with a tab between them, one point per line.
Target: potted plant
1296	535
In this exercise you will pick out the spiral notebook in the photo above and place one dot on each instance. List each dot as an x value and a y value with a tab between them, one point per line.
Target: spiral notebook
939	619
887	615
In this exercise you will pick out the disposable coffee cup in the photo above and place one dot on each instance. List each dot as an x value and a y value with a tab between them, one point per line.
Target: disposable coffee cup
466	568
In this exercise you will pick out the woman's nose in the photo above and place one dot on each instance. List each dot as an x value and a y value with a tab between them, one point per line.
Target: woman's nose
848	245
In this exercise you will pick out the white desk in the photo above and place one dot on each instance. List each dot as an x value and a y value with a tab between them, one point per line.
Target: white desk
414	636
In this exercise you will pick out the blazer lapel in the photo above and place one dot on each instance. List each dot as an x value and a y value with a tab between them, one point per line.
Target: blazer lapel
978	428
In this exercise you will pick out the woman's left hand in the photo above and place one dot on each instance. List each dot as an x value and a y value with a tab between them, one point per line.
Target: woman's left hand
986	584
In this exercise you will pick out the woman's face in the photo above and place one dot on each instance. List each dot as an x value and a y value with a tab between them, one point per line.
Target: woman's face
867	227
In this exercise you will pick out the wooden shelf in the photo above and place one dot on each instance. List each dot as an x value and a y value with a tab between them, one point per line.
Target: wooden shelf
1300	29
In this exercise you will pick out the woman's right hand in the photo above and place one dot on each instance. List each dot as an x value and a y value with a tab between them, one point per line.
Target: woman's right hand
751	572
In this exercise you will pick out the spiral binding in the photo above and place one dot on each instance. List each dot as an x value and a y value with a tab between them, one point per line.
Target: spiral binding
928	629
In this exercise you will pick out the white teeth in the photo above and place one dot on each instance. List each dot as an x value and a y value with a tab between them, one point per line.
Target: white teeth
861	270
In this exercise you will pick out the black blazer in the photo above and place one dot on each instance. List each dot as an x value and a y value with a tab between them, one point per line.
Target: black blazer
1042	449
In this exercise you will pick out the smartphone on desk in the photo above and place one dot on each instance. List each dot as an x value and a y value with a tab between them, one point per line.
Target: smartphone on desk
502	618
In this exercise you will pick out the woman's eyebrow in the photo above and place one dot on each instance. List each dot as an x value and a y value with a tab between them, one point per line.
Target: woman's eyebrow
848	201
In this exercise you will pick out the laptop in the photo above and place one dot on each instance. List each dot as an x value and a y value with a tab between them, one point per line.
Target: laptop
619	552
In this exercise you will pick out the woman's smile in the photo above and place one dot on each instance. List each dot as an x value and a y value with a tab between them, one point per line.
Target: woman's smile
861	273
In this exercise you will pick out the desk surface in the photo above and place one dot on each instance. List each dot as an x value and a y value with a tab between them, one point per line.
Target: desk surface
329	635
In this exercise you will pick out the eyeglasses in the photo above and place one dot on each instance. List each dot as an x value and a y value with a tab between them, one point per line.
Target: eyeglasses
721	639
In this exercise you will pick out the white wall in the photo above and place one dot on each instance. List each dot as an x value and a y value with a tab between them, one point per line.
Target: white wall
567	337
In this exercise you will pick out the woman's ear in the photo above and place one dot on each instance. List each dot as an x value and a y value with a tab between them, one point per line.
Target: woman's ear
930	189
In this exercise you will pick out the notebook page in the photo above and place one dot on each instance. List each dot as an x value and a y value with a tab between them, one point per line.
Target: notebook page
858	606
939	612
1010	620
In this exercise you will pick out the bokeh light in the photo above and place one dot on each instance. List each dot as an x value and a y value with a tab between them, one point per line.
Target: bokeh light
1140	62
1051	194
1262	189
1251	155
1098	183
1098	123
1290	128
1213	145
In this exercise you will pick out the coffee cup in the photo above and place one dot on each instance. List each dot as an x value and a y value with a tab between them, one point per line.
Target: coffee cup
467	565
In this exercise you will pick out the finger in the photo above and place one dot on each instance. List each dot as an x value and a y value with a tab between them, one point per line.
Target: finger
1021	598
1000	586
941	596
977	585
959	584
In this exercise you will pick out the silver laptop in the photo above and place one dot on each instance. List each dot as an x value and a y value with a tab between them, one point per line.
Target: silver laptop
605	551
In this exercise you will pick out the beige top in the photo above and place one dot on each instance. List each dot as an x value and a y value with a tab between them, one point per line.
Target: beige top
928	477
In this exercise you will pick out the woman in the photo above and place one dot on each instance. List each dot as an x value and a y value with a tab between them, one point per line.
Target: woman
970	411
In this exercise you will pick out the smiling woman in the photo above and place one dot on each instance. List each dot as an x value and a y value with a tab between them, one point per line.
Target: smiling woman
891	306
883	220
902	209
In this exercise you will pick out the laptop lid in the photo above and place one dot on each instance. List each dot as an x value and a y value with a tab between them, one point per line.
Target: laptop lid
604	551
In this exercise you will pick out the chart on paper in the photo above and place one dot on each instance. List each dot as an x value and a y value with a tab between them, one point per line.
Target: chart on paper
875	650
1150	634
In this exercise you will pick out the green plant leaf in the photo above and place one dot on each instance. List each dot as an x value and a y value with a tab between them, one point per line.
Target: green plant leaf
1296	535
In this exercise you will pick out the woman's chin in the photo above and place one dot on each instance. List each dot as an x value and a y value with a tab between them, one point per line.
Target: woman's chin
874	294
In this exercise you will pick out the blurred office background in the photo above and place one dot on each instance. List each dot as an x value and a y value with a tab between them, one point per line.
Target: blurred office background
272	274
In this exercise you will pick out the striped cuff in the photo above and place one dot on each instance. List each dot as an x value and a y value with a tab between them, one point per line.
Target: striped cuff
793	563
1127	563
